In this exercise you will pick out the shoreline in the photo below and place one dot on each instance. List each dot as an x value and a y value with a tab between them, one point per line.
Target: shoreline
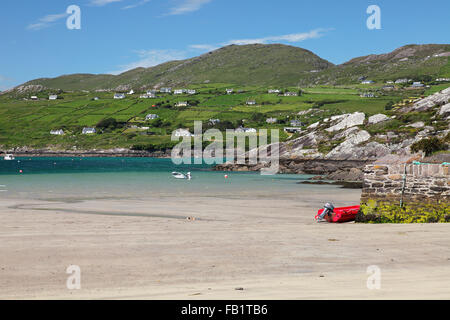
84	153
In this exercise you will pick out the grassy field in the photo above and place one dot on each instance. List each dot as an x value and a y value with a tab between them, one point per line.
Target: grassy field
28	123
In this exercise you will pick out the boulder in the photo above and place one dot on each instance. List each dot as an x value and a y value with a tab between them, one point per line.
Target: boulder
346	147
445	110
419	124
347	121
378	118
314	125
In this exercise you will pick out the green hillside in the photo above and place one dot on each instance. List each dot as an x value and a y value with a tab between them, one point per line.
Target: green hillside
24	122
255	64
268	65
412	61
251	70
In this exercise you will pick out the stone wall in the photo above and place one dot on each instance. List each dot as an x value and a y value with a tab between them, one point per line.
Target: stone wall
424	183
422	195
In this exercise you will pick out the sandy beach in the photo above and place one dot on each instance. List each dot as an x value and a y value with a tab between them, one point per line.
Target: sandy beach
268	246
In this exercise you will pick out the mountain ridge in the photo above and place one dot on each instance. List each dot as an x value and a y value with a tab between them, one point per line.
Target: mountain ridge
264	65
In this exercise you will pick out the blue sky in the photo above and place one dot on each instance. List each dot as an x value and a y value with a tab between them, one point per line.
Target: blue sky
117	35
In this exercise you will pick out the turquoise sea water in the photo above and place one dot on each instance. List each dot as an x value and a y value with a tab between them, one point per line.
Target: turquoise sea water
47	178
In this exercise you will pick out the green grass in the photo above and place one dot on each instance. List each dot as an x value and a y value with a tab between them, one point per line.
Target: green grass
28	123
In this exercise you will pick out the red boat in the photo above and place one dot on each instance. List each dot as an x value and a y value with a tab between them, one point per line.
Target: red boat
343	214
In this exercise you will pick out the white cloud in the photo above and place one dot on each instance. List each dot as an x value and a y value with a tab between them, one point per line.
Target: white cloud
131	6
150	58
293	37
100	3
203	47
188	6
46	21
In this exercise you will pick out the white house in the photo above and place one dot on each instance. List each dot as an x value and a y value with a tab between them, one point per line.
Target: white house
214	121
229	91
367	95
251	102
181	104
271	120
182	133
400	81
151	117
59	132
165	90
179	91
245	130
131	91
89	131
53	97
291	94
148	96
417	85
191	91
273	91
443	79
33	97
96	98
367	82
296	123
119	96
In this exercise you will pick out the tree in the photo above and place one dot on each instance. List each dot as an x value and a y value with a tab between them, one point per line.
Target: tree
257	117
389	105
108	123
429	145
157	123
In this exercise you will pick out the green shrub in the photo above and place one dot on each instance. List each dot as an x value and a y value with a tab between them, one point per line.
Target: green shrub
429	145
373	212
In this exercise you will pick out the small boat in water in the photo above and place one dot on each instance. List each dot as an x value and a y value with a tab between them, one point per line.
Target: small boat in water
343	214
9	157
179	175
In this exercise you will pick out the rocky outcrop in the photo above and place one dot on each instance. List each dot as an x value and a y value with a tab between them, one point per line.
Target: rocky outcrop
445	110
378	118
348	120
31	88
437	99
342	139
346	148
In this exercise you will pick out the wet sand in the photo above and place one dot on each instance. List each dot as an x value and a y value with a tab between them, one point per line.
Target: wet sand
267	245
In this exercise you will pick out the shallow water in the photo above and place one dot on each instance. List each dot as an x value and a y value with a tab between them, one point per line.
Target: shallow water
69	179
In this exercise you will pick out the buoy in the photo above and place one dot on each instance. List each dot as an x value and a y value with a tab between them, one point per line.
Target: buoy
20	171
226	176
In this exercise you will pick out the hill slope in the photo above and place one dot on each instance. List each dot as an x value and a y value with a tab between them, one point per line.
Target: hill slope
255	64
406	62
268	65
